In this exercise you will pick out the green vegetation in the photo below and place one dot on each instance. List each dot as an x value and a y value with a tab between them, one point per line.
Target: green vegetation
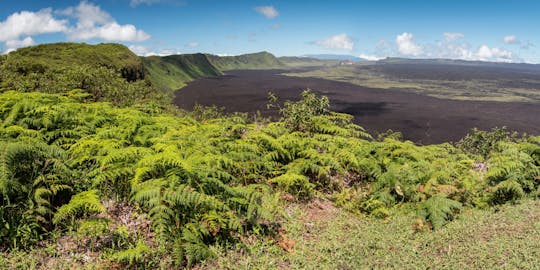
172	72
261	60
196	185
105	72
90	184
299	62
325	237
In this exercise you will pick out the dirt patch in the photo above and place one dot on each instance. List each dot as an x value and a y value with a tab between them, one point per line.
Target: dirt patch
319	210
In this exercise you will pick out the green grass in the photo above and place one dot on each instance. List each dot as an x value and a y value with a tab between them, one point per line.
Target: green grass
330	238
327	237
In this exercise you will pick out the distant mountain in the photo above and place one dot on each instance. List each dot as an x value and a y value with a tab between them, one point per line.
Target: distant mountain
341	57
298	62
458	62
260	60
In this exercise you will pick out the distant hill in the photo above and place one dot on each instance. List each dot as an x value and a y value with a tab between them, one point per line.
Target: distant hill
260	60
458	62
295	61
340	57
172	72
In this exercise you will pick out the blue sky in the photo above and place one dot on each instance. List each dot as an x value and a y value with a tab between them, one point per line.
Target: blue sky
493	30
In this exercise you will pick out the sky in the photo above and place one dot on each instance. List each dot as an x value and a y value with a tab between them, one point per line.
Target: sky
486	30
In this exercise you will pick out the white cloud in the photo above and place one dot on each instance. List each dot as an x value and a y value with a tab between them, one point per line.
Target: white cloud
93	22
511	40
370	57
193	44
135	3
139	50
145	51
12	45
406	45
341	42
449	36
268	11
30	23
485	53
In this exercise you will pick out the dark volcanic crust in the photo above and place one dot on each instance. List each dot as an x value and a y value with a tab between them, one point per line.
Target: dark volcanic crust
421	119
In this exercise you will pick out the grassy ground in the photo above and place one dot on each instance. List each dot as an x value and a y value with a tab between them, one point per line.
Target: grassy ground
480	89
320	236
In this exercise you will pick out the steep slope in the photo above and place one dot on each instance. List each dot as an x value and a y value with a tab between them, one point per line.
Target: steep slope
172	72
260	60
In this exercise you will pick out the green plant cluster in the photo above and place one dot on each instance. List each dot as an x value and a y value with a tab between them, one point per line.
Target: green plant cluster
202	181
106	72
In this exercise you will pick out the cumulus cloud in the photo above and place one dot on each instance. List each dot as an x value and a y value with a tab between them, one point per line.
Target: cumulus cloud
370	57
406	45
26	23
12	45
268	11
93	22
485	53
193	44
511	40
453	46
82	22
340	42
449	36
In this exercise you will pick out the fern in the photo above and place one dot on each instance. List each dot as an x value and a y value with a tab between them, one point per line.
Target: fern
439	210
83	203
132	256
506	191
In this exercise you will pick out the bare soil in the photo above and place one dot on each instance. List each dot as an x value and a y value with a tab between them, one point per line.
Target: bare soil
422	119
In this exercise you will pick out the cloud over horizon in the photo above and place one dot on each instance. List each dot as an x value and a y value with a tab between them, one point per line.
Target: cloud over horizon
406	46
340	42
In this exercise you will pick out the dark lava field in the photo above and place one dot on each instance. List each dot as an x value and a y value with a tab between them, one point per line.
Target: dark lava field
421	119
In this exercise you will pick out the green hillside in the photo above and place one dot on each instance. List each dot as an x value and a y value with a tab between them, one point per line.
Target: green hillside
260	60
172	72
59	56
293	61
104	72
